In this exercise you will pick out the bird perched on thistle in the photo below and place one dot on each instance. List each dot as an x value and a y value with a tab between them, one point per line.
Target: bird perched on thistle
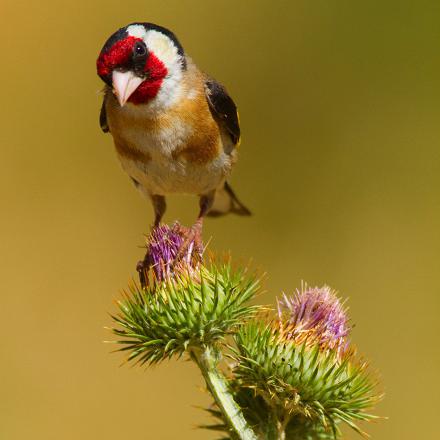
175	129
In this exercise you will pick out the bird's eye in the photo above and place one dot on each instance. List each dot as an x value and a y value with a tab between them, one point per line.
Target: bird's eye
140	49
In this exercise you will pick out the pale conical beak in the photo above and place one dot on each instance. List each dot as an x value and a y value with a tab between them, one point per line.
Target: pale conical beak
124	84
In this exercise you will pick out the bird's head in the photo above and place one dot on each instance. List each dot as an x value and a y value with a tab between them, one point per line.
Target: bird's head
142	62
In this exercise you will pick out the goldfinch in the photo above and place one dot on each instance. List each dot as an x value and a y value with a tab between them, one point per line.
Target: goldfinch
175	129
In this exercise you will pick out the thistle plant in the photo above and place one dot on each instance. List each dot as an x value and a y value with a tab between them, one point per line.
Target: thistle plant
286	374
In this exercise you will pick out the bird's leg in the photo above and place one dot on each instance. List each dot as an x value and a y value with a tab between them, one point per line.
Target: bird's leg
195	232
205	204
159	206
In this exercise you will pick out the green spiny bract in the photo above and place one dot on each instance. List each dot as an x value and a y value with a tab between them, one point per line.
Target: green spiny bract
302	381
262	418
192	309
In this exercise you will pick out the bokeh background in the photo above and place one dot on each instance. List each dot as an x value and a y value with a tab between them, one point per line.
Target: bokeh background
339	103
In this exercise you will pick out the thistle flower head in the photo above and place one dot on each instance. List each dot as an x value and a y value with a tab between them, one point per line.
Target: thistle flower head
300	378
301	363
315	315
187	310
169	248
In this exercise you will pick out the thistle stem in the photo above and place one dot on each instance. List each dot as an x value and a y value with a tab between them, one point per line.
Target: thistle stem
276	426
207	361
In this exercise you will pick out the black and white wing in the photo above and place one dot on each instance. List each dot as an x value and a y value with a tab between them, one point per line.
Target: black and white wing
223	108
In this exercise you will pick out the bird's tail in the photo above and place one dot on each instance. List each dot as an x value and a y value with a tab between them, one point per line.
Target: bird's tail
226	201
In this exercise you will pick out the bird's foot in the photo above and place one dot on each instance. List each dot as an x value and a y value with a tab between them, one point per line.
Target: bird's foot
167	249
193	244
142	268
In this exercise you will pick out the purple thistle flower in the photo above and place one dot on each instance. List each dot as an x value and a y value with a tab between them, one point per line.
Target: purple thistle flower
315	315
169	249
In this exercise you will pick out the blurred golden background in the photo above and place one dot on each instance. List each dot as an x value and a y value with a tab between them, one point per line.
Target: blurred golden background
339	104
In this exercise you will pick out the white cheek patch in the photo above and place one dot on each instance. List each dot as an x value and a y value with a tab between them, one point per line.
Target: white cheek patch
171	89
159	44
137	30
162	47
